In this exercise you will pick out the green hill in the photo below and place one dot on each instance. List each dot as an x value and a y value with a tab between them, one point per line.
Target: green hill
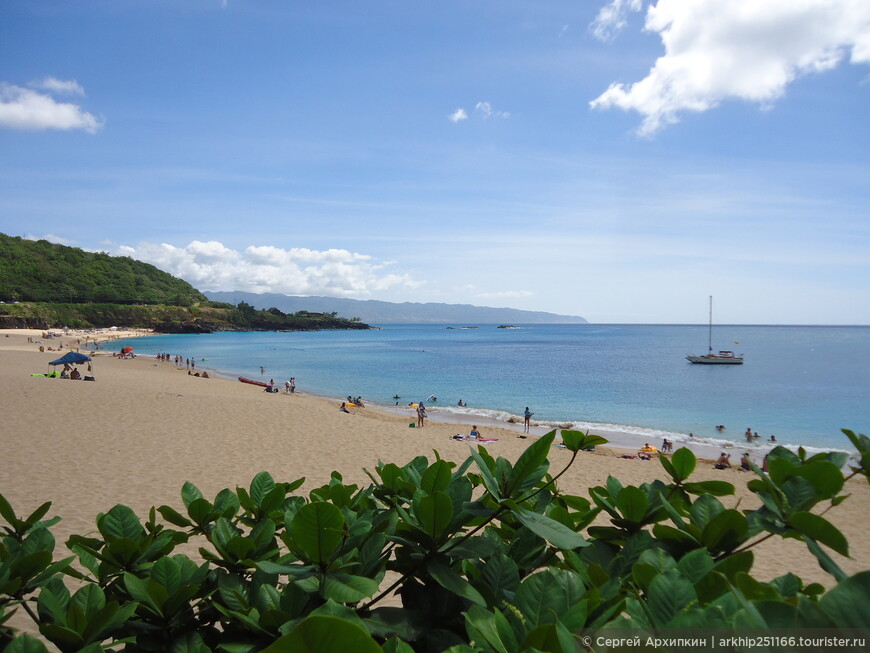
43	285
39	271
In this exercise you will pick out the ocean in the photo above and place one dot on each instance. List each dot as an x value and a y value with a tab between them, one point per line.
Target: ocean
802	384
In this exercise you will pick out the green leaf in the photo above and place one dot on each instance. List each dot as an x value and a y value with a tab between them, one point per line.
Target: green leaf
705	509
396	645
577	441
667	595
437	477
825	477
735	563
613	488
531	466
25	644
435	512
318	633
121	523
555	533
391	475
38	540
261	485
669	468
695	565
848	604
8	513
501	576
201	511
138	589
189	492
572	440
825	561
189	642
167	572
551	638
716	488
547	596
65	638
317	530
683	461
346	588
226	502
53	602
788	585
490	627
632	503
37	514
725	531
489	480
453	582
681	539
290	570
174	517
89	599
821	530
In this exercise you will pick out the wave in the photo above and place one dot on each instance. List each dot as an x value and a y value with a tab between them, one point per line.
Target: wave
637	432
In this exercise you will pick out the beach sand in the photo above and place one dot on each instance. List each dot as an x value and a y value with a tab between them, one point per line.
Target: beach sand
145	427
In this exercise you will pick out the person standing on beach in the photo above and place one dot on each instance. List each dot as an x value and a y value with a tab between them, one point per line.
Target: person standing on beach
527	420
421	415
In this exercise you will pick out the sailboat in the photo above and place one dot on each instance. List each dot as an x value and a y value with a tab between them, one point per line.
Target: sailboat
722	358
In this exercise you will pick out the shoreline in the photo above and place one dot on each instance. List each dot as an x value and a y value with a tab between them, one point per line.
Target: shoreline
145	427
627	437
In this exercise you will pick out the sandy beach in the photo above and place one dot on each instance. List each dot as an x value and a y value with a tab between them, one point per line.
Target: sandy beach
145	427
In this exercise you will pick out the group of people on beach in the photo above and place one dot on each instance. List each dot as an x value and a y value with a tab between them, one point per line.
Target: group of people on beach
351	401
724	462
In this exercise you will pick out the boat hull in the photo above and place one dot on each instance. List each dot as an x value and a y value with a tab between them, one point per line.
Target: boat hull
252	382
712	359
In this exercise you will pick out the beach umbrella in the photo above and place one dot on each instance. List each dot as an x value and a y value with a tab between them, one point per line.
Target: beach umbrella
126	350
70	359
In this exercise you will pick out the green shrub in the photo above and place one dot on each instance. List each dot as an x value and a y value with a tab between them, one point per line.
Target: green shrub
490	558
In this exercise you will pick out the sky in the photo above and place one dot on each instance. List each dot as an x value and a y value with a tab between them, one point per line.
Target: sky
619	160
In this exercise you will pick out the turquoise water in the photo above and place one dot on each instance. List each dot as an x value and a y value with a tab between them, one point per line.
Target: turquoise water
802	384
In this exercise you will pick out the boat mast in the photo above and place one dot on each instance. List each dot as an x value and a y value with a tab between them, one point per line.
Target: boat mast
710	329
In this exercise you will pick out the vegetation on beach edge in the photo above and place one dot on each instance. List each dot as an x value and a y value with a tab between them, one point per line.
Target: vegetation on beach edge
487	555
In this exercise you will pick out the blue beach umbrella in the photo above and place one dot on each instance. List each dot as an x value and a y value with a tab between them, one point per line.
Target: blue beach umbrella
71	358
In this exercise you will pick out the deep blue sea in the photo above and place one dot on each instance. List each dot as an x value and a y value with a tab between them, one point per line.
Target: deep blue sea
802	384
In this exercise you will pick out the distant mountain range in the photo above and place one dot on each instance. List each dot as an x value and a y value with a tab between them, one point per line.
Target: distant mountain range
378	312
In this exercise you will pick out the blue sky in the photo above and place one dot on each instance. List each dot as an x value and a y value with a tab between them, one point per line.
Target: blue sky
618	160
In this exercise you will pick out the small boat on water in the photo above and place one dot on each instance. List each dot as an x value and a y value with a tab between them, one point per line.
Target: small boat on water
710	358
252	382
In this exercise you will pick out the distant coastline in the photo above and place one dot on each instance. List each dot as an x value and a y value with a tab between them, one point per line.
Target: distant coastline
379	312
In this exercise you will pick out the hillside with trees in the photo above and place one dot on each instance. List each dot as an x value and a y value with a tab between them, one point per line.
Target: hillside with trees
43	285
40	271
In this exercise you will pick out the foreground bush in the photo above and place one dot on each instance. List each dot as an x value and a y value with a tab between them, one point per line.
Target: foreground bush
489	558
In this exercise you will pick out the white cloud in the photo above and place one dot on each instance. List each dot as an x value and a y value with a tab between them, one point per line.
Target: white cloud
743	49
485	109
482	109
298	271
22	108
612	18
458	116
60	86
